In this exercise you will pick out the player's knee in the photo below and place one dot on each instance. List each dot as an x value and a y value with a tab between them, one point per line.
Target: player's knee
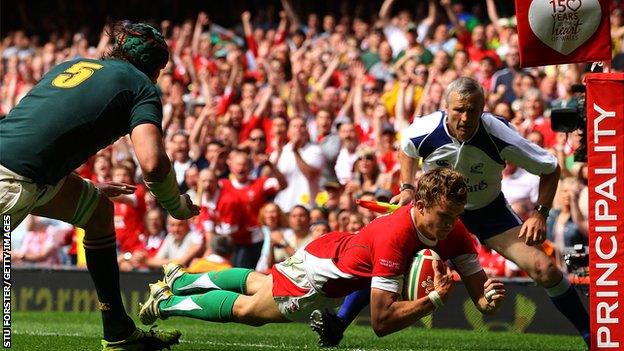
545	272
247	315
254	282
94	212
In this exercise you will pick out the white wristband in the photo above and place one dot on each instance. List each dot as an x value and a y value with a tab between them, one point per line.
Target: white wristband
166	192
436	300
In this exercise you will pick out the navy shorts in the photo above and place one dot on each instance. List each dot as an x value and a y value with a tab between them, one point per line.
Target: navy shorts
491	220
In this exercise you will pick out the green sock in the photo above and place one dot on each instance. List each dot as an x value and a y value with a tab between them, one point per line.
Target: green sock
213	306
233	279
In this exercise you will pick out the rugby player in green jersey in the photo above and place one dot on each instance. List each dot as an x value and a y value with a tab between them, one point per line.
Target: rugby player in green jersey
78	108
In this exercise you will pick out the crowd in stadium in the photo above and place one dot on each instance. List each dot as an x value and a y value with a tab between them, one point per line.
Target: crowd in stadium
276	129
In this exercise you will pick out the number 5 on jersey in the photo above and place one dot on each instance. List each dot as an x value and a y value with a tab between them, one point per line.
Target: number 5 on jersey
75	74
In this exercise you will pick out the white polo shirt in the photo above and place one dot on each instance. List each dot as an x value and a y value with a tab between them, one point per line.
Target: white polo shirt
480	159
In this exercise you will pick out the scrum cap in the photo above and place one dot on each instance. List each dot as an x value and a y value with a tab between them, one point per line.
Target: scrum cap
143	45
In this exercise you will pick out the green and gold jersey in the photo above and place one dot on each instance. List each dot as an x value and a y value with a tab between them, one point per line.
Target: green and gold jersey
78	108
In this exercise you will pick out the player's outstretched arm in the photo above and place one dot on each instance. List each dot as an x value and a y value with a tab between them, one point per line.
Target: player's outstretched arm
158	173
487	294
389	314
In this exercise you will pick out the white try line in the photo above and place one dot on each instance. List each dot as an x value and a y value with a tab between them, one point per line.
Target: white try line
45	333
199	342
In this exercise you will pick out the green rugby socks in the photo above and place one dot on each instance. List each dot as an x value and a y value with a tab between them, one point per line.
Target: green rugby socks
212	306
207	296
233	279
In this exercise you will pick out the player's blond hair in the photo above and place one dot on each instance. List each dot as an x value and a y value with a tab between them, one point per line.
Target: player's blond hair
440	185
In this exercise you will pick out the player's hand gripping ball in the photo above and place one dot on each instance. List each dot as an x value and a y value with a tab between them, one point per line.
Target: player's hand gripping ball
419	279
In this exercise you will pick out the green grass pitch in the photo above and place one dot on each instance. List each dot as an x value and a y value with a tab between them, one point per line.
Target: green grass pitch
81	331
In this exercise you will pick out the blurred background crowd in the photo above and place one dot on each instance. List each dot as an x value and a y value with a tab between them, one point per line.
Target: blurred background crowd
278	116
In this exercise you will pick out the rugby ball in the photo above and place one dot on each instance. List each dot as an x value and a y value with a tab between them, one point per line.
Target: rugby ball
419	279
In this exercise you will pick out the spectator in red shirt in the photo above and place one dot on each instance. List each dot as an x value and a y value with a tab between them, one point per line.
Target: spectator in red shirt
150	241
487	67
223	213
128	214
154	233
533	108
477	49
254	193
257	144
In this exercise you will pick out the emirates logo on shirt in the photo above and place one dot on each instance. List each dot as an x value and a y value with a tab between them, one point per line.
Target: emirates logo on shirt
482	185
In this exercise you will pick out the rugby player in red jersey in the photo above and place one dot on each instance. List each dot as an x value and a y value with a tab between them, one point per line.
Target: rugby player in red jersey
327	269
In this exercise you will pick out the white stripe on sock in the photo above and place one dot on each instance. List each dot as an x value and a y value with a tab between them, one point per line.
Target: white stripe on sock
185	305
201	282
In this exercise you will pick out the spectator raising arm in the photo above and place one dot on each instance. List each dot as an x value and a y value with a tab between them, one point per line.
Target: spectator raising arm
493	14
450	13
189	65
248	30
261	108
308	171
432	14
207	113
270	170
347	107
384	11
331	68
202	21
183	37
255	119
280	36
228	93
358	104
299	87
295	23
